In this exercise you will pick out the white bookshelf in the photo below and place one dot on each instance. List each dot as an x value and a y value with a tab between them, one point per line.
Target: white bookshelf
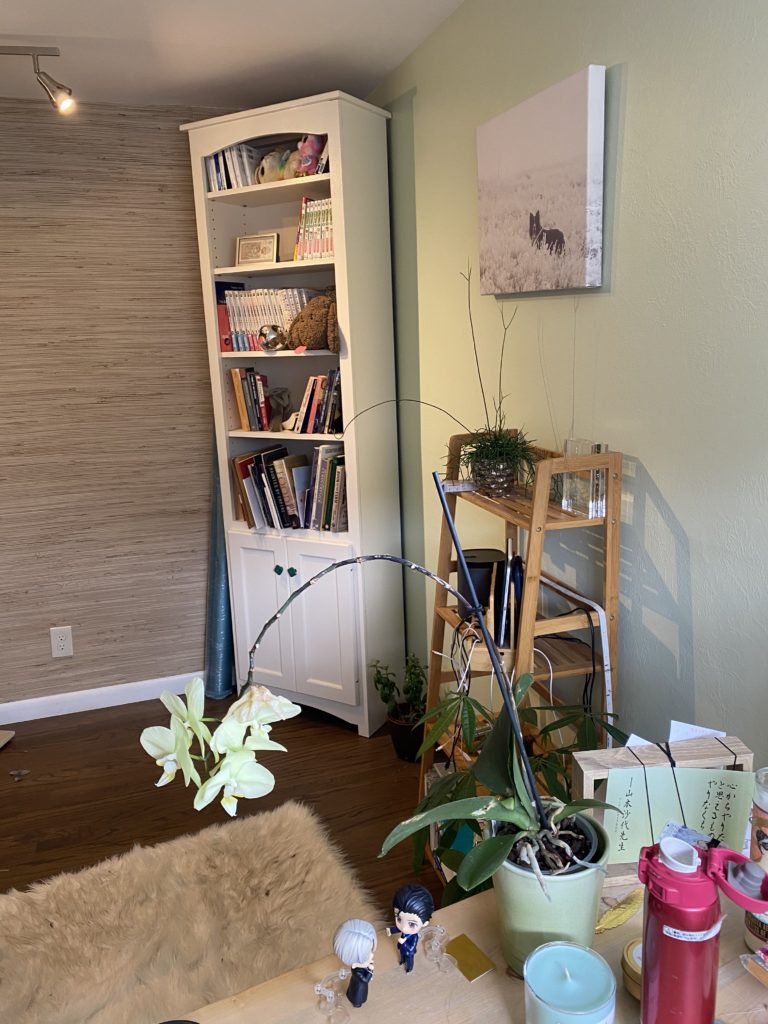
318	652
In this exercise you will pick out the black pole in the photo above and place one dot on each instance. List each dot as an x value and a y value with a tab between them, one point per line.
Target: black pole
498	671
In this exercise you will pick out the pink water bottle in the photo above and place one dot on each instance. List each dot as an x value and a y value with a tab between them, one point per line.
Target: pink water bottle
681	929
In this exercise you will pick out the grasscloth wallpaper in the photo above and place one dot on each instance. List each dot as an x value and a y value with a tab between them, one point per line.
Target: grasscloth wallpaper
105	421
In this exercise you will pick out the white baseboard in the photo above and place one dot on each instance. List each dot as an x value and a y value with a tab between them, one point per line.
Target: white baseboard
90	700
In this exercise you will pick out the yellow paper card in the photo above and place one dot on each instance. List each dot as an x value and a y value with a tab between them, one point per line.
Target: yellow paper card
470	959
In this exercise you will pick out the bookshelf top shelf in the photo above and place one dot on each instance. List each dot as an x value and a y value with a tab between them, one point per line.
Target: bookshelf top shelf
314	186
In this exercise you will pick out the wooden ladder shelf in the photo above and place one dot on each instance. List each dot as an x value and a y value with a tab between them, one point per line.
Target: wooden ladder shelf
532	513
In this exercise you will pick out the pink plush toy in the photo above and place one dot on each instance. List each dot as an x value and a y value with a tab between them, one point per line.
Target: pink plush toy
310	147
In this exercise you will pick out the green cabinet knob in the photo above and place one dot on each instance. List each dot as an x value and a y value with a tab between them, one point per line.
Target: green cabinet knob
278	570
292	572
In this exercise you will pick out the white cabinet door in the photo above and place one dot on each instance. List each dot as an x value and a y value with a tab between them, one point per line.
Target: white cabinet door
258	591
325	626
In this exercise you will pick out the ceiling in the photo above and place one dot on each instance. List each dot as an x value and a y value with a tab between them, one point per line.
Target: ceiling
230	54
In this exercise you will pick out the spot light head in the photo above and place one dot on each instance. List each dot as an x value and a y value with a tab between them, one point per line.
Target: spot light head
59	95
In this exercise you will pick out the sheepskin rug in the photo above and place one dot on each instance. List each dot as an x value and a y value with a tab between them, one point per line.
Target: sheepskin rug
160	931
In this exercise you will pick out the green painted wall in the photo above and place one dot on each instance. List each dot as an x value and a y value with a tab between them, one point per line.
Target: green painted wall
667	363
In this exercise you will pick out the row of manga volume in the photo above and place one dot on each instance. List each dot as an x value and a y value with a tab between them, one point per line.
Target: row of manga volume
314	238
281	491
243	312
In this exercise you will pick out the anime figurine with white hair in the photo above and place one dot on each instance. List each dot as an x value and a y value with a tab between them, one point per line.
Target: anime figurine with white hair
354	944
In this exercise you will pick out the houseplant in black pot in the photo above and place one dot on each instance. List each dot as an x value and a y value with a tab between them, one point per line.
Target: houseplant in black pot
406	706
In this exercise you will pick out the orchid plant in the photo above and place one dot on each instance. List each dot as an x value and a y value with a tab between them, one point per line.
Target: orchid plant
226	764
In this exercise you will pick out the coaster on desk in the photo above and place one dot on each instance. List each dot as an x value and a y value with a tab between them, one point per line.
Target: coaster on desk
470	959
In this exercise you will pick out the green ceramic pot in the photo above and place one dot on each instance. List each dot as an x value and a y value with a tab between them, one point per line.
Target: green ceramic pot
527	919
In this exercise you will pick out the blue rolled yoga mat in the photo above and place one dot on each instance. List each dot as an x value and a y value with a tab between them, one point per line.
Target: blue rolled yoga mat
219	647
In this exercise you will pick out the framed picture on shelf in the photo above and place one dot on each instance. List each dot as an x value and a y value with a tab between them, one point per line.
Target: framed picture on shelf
256	249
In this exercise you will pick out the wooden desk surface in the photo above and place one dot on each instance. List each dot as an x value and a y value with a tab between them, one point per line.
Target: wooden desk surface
448	998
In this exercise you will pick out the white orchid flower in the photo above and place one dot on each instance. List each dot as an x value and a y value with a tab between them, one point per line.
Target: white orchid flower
259	706
229	738
241	777
191	714
170	749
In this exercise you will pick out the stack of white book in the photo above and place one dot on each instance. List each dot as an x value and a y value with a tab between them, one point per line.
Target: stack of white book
233	167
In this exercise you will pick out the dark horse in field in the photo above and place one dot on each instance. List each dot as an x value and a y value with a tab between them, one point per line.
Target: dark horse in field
553	238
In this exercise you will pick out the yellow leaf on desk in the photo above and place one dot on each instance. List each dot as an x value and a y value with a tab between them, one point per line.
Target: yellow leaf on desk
621	911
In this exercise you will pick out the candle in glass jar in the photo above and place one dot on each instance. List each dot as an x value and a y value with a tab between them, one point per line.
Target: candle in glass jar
568	984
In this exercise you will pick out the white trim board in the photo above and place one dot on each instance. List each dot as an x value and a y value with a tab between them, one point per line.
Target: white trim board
90	700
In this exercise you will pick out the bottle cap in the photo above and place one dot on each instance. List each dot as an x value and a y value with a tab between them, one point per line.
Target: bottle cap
747	878
677	855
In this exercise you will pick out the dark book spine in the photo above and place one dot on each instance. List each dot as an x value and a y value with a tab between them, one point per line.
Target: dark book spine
251	378
277	494
253	421
253	469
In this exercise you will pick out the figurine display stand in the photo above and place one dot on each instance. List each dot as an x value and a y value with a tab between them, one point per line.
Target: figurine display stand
434	940
331	996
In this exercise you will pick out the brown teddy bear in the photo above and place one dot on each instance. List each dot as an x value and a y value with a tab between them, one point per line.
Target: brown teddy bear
315	326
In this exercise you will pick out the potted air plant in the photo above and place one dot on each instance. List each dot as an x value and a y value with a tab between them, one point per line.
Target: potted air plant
546	857
496	457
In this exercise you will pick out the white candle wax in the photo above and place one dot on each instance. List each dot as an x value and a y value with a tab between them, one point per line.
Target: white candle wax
568	984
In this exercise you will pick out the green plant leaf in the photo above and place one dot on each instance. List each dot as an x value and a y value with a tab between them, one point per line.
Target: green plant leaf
419	840
618	734
586	734
528	715
437	730
521	687
492	768
451	858
439	708
481	709
560	723
468	722
521	792
484	859
580	805
453	893
471	808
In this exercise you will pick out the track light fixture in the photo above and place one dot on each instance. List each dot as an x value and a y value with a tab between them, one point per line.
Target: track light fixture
59	95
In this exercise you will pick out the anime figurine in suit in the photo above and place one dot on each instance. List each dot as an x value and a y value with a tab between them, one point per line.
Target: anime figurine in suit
413	906
354	944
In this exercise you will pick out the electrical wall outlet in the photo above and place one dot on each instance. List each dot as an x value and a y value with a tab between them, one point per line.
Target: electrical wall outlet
61	642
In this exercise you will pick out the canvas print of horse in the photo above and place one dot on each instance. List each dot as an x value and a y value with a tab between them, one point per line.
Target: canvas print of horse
540	190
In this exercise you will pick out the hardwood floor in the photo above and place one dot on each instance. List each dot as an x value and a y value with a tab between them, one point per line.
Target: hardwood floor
90	794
